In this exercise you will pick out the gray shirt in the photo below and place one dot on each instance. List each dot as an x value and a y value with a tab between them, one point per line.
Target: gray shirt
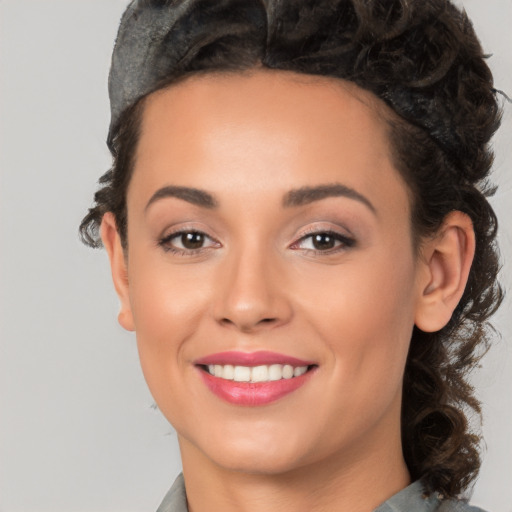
410	499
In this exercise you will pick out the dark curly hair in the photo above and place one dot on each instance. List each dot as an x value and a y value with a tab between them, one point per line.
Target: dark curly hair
423	59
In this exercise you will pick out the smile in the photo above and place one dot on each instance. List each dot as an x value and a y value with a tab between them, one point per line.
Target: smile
252	379
263	373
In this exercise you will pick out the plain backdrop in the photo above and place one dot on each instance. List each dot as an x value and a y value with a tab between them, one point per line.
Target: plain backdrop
78	429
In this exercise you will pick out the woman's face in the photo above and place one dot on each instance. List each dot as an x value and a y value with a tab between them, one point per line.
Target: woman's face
268	226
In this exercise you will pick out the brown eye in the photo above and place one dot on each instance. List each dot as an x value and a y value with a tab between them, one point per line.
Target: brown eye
187	242
192	240
323	241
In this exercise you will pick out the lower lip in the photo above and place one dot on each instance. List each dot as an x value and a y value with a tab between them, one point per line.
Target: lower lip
252	393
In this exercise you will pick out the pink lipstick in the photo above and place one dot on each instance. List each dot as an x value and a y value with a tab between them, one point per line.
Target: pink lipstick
253	378
251	359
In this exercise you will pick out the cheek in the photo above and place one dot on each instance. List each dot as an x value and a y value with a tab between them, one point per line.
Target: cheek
166	307
165	298
365	313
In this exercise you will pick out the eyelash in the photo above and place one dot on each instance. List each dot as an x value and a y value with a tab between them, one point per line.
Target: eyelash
165	242
345	242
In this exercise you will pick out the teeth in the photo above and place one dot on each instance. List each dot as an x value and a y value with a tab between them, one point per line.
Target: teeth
228	372
300	370
242	374
275	372
265	373
259	374
287	371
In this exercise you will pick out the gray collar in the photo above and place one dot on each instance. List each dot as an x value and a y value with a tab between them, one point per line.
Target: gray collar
176	499
409	499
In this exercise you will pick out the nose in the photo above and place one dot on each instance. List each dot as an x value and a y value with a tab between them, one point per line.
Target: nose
251	294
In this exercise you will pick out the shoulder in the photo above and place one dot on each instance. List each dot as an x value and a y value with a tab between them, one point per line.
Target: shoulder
457	506
414	498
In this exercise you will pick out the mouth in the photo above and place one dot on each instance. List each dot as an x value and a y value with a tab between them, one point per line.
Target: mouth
262	373
252	379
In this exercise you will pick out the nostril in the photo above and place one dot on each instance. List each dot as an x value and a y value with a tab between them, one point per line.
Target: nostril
227	321
248	326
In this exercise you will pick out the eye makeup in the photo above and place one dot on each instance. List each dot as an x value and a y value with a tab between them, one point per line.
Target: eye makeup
318	230
323	241
187	242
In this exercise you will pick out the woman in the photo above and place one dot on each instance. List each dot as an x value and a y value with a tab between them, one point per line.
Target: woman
299	235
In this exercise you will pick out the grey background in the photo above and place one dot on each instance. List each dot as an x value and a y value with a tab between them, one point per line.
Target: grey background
77	428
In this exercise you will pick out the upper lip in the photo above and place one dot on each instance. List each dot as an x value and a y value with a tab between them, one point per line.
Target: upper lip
258	358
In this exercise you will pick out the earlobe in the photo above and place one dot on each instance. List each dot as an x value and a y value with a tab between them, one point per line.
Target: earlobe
447	259
112	243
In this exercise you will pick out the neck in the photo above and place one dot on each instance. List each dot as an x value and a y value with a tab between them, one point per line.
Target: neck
344	481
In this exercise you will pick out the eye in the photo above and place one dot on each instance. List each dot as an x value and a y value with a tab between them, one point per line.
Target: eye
324	241
187	242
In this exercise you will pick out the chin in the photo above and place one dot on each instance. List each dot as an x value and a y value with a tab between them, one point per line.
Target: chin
258	461
266	451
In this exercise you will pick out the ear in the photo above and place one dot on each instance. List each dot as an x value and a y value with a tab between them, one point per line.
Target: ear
446	260
112	243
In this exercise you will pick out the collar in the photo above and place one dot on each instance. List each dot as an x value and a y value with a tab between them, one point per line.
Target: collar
410	499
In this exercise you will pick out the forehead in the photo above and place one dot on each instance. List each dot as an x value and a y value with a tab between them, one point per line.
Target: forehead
265	96
246	130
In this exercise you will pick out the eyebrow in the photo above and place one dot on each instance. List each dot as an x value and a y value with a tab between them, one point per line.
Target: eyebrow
293	198
189	194
307	195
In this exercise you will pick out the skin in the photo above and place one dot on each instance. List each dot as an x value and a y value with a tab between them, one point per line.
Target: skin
258	283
